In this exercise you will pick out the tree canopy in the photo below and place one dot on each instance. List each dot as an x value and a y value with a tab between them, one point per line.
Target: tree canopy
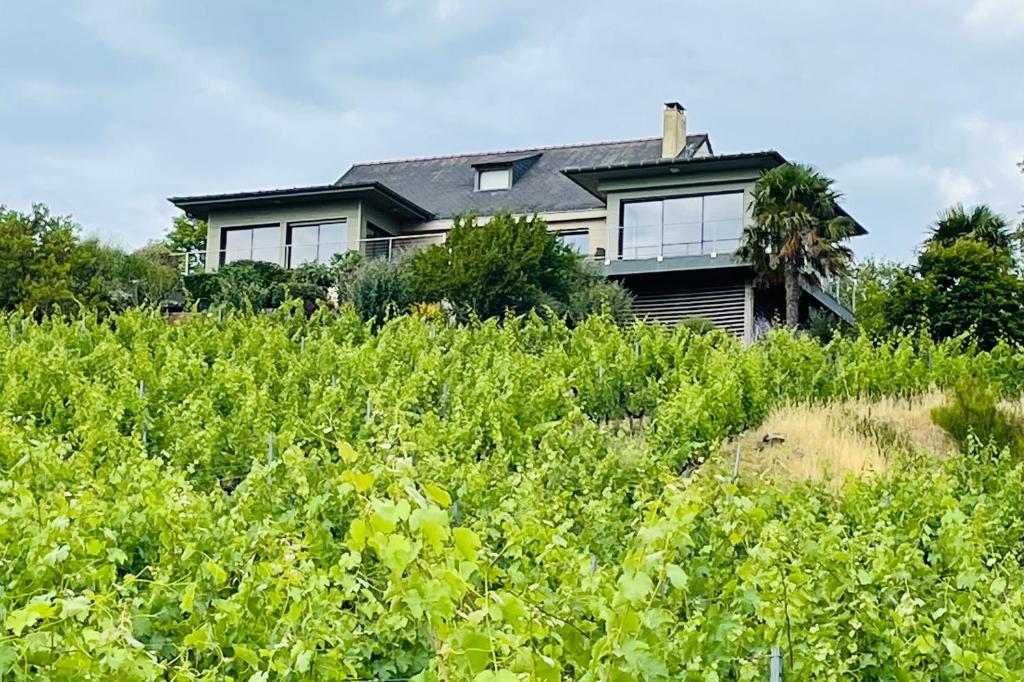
797	231
506	264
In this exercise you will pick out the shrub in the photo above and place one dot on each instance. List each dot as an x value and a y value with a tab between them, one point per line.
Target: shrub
974	411
601	296
380	289
822	325
201	289
698	325
251	284
507	264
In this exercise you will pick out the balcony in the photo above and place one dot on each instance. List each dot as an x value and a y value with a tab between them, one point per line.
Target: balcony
670	240
290	256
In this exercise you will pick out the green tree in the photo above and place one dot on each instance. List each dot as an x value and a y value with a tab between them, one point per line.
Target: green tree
797	231
967	286
980	223
186	234
507	264
37	251
874	284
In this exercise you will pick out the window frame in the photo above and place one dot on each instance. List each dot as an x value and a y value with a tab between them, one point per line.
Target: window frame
573	233
223	251
507	170
623	203
309	223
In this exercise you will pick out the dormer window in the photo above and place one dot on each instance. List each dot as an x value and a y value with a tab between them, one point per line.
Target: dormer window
490	179
498	172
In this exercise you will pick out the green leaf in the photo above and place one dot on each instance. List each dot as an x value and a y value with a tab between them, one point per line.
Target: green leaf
75	607
347	452
438	494
218	574
467	543
188	597
432	524
635	586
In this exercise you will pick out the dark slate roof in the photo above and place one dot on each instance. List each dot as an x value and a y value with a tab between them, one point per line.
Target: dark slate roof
444	185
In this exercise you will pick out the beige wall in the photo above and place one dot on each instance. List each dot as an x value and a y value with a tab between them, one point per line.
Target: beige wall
356	215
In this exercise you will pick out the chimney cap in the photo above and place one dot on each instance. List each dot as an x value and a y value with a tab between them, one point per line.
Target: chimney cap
675	105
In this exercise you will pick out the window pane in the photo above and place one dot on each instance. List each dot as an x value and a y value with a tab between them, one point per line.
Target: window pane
495	179
641	213
237	245
303	244
333	239
723	221
266	244
641	231
682	226
577	241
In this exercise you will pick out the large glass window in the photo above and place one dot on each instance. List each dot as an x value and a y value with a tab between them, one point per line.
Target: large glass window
378	243
577	241
316	242
682	226
251	243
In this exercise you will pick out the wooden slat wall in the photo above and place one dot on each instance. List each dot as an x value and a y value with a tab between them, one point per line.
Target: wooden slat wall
723	305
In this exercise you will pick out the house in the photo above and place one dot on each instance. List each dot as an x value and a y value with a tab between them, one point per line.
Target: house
663	215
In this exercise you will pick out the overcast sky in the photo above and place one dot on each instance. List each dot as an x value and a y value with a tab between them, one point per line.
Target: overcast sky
110	107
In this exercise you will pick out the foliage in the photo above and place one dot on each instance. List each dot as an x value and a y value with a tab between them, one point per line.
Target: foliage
797	231
274	496
380	289
506	264
592	294
980	224
108	279
875	281
37	254
823	326
698	325
967	287
974	412
186	234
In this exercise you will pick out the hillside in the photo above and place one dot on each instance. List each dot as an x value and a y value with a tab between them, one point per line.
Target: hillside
270	497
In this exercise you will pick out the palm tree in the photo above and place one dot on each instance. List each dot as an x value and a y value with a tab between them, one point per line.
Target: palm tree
980	223
797	231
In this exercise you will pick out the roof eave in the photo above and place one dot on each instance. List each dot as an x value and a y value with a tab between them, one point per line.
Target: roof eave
588	178
201	206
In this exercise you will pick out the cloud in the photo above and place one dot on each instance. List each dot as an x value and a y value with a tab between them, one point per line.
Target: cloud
1003	17
955	188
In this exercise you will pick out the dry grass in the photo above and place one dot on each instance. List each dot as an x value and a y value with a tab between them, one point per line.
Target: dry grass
856	438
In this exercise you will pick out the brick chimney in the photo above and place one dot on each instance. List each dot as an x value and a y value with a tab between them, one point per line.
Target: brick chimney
673	136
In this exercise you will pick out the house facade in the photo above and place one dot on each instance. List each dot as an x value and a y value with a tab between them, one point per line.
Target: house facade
662	215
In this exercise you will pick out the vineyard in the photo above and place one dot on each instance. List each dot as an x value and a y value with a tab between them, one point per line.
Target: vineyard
273	497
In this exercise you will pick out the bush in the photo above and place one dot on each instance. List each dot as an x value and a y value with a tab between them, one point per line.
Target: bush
201	289
974	411
380	289
698	325
822	325
505	265
108	279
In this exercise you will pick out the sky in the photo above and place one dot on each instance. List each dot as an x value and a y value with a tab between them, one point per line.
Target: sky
110	107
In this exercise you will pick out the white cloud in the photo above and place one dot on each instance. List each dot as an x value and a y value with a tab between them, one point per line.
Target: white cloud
955	188
1005	17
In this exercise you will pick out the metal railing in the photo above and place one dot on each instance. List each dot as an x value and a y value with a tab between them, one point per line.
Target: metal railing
294	255
666	240
843	289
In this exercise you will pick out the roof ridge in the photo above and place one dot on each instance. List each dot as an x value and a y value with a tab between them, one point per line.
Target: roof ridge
512	151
